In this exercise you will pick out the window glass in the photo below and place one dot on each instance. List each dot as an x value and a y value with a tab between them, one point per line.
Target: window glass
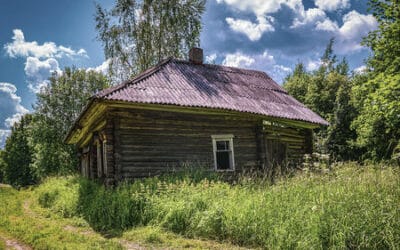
222	145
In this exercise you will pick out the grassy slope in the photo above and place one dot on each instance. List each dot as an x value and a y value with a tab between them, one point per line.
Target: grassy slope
21	217
352	207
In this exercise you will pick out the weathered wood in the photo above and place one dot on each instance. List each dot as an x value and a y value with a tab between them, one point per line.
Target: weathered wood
142	142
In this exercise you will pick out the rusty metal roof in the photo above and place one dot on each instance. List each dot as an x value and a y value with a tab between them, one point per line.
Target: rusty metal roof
177	82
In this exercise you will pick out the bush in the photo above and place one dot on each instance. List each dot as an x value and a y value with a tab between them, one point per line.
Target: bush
60	195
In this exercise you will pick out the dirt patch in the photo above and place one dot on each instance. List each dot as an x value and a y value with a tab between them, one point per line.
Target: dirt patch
2	185
77	230
130	245
14	244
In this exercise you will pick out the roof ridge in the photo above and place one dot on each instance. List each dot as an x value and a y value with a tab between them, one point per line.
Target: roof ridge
141	76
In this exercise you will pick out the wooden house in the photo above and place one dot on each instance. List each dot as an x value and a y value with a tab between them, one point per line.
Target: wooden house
190	113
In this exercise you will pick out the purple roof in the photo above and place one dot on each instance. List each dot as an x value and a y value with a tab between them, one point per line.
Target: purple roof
177	82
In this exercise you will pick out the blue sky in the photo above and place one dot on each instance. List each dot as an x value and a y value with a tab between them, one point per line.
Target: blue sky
42	36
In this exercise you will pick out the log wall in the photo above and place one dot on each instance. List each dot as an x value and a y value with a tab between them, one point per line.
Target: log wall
151	142
143	143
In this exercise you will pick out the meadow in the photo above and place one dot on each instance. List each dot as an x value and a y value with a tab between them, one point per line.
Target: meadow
351	206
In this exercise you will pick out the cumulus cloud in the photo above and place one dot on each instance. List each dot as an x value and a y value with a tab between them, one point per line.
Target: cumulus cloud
355	27
326	25
11	110
38	71
238	60
360	70
4	133
348	36
260	7
253	31
41	59
10	105
332	5
19	47
264	62
313	64
211	58
310	16
102	68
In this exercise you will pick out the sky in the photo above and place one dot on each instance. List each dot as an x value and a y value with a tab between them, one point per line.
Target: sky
44	36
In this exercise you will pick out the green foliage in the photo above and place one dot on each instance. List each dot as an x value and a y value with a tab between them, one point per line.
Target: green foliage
60	195
297	83
57	107
138	34
2	166
327	91
351	207
17	154
378	125
385	41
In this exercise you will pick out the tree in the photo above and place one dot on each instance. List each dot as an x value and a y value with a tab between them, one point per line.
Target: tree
17	155
327	91
57	107
297	83
2	166
385	41
139	34
378	124
340	134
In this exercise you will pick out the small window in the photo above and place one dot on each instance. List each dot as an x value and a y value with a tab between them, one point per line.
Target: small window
223	152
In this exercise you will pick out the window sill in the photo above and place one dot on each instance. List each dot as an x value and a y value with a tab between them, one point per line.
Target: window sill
224	170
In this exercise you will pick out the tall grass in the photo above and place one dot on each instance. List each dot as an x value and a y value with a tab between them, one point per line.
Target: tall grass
351	207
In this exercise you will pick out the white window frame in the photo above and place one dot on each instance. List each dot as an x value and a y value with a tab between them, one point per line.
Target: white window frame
227	137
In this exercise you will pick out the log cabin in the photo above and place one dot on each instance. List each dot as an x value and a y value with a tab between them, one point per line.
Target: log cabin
181	113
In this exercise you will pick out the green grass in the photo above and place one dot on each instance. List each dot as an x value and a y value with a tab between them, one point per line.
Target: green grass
350	207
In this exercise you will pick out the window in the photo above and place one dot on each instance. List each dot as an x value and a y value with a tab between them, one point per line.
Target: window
223	152
105	158
99	160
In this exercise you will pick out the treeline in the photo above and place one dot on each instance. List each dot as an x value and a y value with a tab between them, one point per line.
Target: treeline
363	108
36	148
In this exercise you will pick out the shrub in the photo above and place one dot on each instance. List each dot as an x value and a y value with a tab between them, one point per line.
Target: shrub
60	195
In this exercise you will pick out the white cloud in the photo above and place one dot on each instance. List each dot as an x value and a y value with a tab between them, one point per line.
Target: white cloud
360	70
264	62
253	31
238	60
310	16
211	58
102	68
4	133
10	105
38	71
331	5
313	64
348	37
327	25
22	48
355	27
261	7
